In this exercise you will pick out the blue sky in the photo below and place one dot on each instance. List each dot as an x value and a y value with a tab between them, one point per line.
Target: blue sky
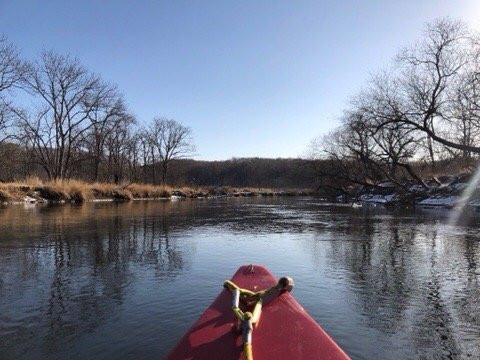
251	78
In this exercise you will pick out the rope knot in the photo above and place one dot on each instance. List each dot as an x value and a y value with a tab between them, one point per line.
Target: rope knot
248	319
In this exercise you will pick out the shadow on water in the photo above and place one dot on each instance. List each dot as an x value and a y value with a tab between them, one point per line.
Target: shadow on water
110	280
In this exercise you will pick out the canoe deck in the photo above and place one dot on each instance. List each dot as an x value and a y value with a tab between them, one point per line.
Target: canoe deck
285	330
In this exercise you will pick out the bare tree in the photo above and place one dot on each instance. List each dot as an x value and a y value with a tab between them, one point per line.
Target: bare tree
395	143
6	120
133	155
145	151
348	151
432	74
106	117
11	71
465	108
11	67
362	153
424	110
68	95
118	147
170	140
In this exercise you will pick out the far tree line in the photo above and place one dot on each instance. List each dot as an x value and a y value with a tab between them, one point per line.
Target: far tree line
70	118
415	117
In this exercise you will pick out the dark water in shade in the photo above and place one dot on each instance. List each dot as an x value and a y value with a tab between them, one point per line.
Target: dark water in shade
111	281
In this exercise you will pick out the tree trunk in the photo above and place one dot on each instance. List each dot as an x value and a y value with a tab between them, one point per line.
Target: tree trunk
430	152
164	172
154	174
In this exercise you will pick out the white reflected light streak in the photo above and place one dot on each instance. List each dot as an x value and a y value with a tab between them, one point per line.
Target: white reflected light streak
465	198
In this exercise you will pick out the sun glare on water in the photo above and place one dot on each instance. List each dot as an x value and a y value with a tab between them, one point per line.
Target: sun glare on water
462	207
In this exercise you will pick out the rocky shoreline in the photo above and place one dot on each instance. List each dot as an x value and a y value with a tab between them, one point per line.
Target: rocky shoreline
446	192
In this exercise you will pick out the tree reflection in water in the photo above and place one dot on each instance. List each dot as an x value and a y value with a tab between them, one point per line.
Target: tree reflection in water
74	274
412	280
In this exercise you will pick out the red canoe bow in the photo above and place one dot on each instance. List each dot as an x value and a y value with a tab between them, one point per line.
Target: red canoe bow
285	330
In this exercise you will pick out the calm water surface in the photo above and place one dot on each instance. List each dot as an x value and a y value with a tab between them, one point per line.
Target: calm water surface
109	281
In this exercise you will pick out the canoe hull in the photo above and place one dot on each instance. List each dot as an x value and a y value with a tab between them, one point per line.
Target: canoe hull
285	330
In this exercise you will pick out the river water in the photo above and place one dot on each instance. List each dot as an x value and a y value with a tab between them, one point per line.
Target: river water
126	280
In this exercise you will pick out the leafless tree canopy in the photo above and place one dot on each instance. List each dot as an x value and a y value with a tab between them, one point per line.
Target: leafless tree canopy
11	67
169	140
11	72
72	123
69	102
423	110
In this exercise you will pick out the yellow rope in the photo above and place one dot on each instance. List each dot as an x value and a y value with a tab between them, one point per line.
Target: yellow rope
249	319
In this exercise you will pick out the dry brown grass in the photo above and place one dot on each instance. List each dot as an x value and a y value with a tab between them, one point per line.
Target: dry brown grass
77	191
447	167
14	191
61	190
5	196
149	191
66	190
33	181
190	192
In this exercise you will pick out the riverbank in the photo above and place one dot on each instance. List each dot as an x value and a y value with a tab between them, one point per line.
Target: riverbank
73	191
447	191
